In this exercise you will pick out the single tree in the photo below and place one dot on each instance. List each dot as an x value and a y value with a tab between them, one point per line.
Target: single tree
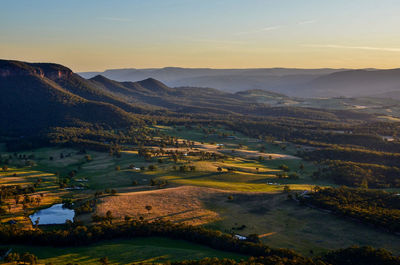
109	216
104	261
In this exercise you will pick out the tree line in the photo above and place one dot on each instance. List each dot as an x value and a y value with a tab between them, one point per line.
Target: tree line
78	235
364	175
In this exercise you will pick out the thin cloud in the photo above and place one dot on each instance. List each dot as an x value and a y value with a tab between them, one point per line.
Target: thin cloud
217	41
272	28
116	19
305	22
366	48
266	29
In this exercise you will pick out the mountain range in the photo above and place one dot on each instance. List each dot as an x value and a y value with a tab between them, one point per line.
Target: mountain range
229	80
37	96
308	83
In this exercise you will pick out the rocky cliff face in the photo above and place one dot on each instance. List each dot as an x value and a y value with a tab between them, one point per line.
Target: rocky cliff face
51	71
54	71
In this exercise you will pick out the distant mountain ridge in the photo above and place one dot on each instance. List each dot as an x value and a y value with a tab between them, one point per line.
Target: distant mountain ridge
291	82
355	83
195	72
229	80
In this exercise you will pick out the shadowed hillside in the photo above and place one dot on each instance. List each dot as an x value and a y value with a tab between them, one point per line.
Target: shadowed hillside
38	96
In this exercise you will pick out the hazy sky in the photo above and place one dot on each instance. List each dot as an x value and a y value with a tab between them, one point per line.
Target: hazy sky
97	34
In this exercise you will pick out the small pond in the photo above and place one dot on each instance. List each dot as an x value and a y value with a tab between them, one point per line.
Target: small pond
56	214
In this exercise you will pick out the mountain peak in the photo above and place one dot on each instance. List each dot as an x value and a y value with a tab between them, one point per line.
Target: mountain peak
99	78
154	85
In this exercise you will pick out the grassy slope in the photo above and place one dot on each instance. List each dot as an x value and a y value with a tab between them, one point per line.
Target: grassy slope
26	176
286	224
244	178
100	171
125	251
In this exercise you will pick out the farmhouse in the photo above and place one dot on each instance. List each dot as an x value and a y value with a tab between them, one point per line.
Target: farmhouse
240	237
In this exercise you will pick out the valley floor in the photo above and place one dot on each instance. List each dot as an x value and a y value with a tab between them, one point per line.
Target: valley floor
240	194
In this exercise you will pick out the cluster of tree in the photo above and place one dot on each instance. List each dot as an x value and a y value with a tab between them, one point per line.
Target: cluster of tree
379	208
13	191
361	174
347	139
16	155
284	175
360	256
354	155
207	155
315	132
17	194
347	256
24	258
377	128
85	207
357	167
108	139
18	161
158	182
26	202
185	168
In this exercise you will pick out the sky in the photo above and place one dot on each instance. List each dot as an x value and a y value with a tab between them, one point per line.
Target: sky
94	35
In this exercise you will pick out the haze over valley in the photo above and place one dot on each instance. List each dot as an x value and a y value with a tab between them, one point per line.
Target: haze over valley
309	83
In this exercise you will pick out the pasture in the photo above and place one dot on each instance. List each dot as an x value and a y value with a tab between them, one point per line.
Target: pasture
279	222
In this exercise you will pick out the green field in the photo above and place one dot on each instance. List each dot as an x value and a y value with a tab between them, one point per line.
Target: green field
283	223
101	171
125	251
237	182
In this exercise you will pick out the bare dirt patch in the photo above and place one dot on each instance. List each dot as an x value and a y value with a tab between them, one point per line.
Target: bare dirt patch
181	204
255	154
242	152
